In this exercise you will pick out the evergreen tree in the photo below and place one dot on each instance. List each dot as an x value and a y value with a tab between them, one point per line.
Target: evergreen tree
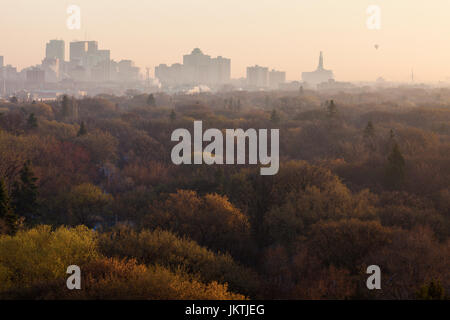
82	131
65	108
25	192
369	131
6	212
391	134
395	169
274	117
32	121
14	100
173	115
331	109
151	100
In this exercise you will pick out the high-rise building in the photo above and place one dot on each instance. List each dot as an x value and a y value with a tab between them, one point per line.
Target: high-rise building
78	50
257	76
318	76
127	71
1	61
51	66
56	49
88	62
35	76
197	69
276	78
220	70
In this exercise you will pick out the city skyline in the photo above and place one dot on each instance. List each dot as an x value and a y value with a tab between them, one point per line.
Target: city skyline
287	36
84	61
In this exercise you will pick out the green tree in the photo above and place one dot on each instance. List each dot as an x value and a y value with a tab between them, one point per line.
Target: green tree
13	99
331	109
173	115
274	117
369	131
25	192
82	130
65	108
391	134
151	100
395	169
32	121
6	212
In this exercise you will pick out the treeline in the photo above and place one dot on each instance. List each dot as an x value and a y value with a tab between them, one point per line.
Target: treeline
363	180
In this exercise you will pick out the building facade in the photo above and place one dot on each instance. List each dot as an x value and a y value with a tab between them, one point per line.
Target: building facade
318	76
197	69
257	76
56	49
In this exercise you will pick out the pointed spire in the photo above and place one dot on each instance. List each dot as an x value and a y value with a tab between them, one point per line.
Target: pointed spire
320	67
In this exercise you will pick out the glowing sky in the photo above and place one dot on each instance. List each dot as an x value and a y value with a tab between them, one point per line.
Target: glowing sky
281	34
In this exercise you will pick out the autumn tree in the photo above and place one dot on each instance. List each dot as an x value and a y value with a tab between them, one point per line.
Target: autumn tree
88	205
432	291
210	220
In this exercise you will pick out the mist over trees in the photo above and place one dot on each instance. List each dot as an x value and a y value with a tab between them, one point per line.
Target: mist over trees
364	179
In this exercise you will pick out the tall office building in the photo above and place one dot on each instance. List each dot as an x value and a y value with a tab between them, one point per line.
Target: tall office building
318	76
88	62
1	61
276	78
56	49
197	69
78	50
127	71
257	76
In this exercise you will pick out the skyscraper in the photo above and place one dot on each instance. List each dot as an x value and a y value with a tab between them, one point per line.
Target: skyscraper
318	76
87	59
78	50
257	76
1	61
56	49
197	69
276	78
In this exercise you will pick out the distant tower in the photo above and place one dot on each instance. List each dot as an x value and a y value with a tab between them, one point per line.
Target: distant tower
320	67
412	75
318	76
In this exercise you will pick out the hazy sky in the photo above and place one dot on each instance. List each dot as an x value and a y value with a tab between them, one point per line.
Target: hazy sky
282	34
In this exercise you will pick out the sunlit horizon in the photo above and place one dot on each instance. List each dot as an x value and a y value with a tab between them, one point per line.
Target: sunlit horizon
286	36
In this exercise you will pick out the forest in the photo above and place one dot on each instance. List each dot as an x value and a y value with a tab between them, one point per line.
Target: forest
363	180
